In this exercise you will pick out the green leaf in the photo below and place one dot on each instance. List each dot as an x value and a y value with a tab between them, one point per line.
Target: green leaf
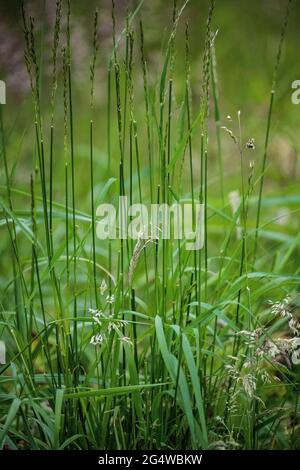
58	416
13	411
172	365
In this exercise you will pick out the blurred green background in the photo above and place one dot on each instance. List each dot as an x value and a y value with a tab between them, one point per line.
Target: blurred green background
246	47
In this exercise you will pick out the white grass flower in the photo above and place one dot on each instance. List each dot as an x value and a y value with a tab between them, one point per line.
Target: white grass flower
103	287
249	363
140	245
249	384
125	339
96	318
296	351
230	133
234	358
269	348
110	299
249	334
97	339
115	325
265	377
93	311
96	314
281	308
294	326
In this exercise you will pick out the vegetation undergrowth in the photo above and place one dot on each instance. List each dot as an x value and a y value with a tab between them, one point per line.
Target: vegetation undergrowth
143	344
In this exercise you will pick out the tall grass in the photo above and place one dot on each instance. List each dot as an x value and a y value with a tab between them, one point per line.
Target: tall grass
142	345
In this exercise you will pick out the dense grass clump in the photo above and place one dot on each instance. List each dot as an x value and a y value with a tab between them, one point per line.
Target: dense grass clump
143	344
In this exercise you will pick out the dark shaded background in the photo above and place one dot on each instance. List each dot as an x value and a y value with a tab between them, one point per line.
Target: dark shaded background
246	48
